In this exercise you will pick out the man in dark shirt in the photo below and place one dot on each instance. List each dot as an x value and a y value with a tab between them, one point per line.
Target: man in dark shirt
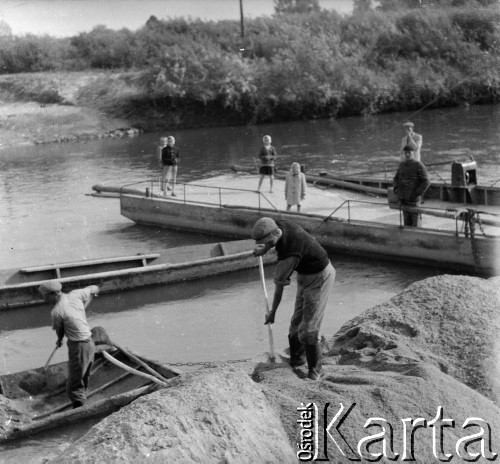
410	183
298	251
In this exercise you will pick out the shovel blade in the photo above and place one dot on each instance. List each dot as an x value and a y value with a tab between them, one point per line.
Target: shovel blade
33	383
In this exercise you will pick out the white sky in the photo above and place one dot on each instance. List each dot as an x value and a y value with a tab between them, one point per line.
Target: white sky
62	18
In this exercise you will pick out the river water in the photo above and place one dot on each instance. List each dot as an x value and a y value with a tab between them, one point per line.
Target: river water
46	215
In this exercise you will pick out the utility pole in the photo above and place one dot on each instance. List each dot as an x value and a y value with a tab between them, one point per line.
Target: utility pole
242	20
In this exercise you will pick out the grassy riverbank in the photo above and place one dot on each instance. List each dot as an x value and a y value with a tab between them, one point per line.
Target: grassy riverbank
179	73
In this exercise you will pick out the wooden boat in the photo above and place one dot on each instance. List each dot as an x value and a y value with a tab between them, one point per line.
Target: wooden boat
444	243
110	388
113	274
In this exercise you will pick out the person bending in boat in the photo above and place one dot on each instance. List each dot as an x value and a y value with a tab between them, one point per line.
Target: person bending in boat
68	318
267	157
410	183
168	158
295	187
298	251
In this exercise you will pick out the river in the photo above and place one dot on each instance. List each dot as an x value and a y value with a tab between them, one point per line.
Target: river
46	215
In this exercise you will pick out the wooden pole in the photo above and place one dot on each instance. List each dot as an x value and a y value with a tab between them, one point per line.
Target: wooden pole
269	326
242	20
132	370
139	361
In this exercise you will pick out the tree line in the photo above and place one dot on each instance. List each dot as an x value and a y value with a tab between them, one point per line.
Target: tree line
303	62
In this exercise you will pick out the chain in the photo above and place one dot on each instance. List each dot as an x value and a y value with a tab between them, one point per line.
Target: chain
205	364
471	218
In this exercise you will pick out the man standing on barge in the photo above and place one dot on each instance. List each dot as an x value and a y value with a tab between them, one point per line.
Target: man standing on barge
298	251
410	183
68	318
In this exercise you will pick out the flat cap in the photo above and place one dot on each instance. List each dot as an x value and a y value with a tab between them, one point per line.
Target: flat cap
262	229
51	286
408	148
408	124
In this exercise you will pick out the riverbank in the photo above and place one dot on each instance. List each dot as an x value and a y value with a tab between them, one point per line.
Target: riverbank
38	108
430	352
31	124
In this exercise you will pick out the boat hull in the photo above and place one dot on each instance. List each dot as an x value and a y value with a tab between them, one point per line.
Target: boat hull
109	389
433	247
171	266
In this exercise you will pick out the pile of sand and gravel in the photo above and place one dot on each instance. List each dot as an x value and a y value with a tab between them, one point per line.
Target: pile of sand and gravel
429	354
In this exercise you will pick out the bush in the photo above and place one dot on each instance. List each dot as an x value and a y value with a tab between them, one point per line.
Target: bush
288	66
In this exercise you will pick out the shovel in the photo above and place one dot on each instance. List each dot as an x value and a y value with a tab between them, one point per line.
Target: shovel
36	382
272	356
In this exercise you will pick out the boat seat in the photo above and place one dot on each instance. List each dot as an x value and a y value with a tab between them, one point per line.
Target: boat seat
91	262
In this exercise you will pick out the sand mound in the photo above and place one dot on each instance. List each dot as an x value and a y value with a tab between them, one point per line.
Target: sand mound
452	322
398	379
415	393
214	415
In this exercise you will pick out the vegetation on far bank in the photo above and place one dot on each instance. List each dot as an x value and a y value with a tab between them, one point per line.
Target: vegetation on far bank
312	64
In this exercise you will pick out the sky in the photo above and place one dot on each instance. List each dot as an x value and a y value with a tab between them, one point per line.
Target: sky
64	18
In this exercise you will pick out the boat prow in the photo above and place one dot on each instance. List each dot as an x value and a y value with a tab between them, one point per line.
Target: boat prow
110	388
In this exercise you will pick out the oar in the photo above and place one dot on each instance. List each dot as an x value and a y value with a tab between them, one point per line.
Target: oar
272	357
101	337
132	370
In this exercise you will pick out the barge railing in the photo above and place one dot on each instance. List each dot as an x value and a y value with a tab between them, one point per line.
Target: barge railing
263	203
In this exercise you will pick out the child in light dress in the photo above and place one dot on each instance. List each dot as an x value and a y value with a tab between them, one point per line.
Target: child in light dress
295	187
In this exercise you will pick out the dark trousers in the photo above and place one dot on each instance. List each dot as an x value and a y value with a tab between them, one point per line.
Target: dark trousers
81	357
313	291
411	219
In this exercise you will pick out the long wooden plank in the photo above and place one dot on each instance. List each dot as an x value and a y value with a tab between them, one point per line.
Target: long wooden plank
90	262
62	419
91	393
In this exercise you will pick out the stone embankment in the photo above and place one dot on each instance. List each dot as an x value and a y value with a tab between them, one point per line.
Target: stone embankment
427	361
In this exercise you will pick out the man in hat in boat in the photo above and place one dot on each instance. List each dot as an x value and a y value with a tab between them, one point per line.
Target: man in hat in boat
410	183
68	318
411	139
298	251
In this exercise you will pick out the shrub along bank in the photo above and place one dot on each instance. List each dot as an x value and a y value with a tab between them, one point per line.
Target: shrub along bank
181	73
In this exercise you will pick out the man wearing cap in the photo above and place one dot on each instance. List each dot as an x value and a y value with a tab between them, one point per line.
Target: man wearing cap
411	139
298	251
410	183
68	318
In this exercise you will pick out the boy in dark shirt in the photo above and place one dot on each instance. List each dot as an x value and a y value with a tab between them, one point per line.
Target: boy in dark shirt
168	159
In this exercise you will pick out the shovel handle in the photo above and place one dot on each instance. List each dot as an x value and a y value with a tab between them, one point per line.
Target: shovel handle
50	358
269	326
